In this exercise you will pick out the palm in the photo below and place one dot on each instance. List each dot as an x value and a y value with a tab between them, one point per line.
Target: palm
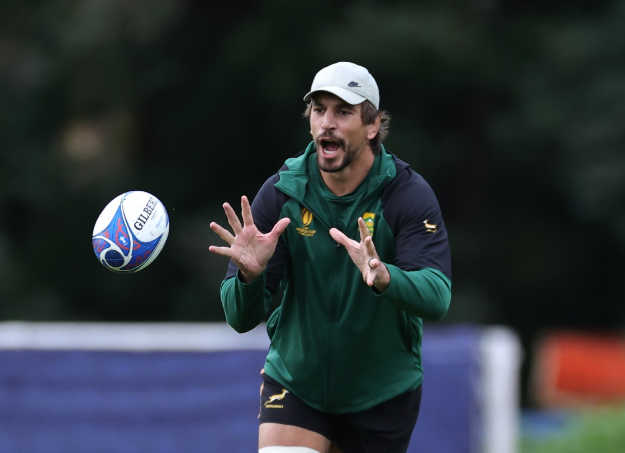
364	256
249	249
357	252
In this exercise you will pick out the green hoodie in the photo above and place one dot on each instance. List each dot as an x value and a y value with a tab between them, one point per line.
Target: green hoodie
336	343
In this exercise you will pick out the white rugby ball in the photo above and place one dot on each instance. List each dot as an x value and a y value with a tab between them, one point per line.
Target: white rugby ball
130	232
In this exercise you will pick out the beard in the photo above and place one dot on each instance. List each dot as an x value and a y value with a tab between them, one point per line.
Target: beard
348	154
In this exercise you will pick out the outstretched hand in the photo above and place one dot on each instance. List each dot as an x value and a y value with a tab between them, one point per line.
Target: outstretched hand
248	248
364	256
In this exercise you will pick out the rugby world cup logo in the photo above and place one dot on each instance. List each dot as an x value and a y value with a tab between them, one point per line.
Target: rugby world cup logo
307	218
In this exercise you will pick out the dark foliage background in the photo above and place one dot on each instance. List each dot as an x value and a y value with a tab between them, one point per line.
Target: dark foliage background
513	111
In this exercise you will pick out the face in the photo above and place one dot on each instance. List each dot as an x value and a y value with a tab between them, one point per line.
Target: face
338	131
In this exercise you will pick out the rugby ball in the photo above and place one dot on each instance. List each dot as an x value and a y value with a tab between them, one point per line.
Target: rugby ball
130	232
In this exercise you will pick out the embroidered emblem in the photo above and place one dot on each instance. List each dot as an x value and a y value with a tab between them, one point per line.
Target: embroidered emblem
429	227
280	396
307	219
369	218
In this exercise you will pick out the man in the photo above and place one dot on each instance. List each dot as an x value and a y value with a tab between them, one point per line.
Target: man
365	259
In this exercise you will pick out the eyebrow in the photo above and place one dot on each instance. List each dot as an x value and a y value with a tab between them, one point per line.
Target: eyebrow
340	106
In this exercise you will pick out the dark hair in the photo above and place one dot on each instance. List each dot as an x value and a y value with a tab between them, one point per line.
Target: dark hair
368	114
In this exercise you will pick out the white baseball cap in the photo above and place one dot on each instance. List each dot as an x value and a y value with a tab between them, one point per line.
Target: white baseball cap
350	82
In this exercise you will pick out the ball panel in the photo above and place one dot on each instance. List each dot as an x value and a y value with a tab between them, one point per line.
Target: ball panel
157	249
113	258
141	254
145	214
104	219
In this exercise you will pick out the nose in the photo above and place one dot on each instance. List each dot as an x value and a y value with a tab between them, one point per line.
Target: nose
328	121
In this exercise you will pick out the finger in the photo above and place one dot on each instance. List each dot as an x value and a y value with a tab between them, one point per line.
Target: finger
340	237
246	211
373	263
370	247
222	233
279	227
364	231
224	251
233	220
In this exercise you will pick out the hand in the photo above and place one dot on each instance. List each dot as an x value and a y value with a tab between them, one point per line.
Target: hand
364	256
249	249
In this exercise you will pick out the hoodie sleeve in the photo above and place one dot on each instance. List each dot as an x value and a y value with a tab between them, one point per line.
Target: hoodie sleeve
425	293
421	273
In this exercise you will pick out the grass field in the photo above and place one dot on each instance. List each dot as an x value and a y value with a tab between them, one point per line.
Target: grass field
590	431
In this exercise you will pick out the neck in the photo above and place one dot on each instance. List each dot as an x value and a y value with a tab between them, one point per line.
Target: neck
349	178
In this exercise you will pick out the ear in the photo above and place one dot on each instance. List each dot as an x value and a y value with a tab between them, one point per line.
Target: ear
373	128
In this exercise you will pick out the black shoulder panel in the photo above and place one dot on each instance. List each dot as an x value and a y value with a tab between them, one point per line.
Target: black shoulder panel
414	216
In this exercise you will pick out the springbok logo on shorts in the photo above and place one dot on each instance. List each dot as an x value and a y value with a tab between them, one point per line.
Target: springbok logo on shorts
307	219
280	396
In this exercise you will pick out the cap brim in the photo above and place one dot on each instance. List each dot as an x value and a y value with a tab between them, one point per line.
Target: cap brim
348	96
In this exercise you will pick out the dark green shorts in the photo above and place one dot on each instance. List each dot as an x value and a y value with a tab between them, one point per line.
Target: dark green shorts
384	428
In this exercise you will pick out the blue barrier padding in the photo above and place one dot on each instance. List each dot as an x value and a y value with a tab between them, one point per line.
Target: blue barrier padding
450	420
204	402
123	402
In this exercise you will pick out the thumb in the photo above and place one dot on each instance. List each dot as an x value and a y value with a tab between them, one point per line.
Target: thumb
338	236
280	226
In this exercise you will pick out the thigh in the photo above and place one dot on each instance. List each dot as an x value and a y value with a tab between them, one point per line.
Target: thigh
384	428
285	420
279	435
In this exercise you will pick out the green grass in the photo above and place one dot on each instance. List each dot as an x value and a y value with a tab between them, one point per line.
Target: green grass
592	431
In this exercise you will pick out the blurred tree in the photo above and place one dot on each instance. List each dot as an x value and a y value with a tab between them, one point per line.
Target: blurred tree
513	111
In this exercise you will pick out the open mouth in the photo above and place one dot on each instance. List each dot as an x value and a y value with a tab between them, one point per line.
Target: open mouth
330	147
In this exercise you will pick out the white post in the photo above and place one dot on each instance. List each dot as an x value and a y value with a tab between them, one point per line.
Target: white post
501	356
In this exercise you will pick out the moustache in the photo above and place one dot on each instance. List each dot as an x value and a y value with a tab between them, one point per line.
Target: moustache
329	137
